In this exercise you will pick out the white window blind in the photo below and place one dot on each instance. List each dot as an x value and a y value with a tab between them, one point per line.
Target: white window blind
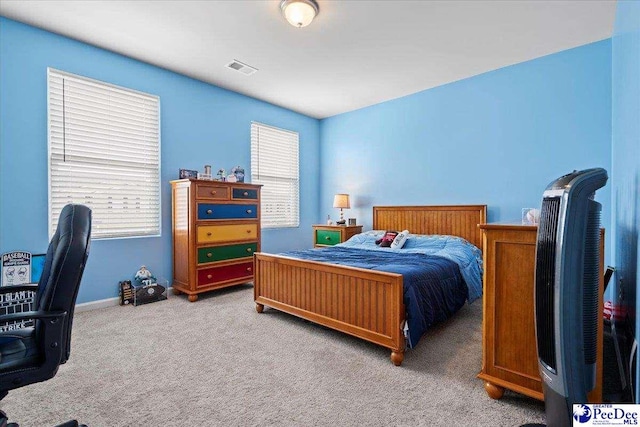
274	164
104	152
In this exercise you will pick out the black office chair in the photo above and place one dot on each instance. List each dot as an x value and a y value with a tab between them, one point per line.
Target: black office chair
33	354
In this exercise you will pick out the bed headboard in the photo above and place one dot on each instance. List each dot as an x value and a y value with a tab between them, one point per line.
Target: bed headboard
455	220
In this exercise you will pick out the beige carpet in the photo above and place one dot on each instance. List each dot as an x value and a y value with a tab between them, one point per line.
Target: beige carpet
218	362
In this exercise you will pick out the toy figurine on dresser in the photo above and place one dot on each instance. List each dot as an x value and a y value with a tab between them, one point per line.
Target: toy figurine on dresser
239	173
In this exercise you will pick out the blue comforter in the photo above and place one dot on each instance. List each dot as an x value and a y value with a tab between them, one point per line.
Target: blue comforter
434	287
464	254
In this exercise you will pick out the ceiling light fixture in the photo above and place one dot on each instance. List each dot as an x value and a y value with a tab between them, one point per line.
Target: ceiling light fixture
299	13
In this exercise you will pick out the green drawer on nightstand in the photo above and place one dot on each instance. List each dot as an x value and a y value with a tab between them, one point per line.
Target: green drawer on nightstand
327	237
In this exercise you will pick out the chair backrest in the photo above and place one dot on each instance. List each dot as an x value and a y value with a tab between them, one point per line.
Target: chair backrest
63	268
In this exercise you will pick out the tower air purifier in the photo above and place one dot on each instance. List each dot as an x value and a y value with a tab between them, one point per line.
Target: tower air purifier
566	291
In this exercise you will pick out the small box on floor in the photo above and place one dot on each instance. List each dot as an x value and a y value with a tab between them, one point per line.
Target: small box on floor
143	289
149	292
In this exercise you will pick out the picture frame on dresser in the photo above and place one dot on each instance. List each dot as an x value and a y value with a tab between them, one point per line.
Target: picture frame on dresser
187	173
216	230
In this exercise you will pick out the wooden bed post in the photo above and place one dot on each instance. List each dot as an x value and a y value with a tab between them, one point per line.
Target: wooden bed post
397	357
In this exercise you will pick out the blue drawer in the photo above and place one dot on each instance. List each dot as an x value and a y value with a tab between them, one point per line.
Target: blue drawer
211	211
241	193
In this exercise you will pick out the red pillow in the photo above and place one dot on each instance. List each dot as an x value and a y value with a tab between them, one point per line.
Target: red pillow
386	240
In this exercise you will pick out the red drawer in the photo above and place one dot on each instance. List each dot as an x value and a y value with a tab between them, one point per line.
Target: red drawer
224	273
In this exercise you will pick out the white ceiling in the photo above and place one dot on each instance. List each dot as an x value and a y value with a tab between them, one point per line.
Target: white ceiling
354	54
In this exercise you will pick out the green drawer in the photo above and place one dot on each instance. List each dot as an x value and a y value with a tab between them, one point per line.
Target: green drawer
220	253
327	237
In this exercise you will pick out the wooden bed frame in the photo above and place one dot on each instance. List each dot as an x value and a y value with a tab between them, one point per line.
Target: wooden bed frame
364	303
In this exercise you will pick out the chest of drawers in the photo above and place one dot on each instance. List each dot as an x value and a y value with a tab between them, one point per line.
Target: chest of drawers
216	230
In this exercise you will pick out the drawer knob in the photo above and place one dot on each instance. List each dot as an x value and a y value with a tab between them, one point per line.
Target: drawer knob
209	211
209	233
249	249
209	255
209	276
213	192
248	268
248	231
245	194
328	238
248	211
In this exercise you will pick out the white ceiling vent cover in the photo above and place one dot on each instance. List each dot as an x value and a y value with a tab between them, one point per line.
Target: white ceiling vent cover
245	69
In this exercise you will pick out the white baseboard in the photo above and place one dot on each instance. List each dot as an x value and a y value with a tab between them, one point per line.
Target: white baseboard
109	302
93	305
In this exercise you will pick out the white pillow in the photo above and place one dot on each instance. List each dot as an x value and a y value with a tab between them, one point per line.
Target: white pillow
400	240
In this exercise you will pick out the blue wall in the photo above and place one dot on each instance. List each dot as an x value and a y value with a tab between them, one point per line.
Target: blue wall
200	124
497	139
625	147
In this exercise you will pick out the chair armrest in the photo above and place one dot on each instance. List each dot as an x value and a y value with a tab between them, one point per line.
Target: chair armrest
28	315
18	288
52	351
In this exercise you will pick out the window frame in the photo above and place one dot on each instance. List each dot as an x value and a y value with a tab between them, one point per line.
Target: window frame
293	221
155	186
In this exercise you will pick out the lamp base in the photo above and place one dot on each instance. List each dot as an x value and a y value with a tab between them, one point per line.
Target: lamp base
341	222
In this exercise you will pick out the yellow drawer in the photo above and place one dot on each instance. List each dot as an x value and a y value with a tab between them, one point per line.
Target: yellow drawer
226	233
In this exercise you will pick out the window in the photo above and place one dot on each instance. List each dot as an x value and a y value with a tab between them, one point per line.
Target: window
104	152
274	164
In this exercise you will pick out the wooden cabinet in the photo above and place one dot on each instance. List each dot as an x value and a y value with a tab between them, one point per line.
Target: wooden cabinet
509	354
329	235
216	230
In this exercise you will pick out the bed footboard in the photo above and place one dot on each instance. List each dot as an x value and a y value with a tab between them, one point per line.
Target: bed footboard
364	303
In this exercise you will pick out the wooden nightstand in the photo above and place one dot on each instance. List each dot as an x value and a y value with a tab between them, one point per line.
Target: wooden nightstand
509	355
329	235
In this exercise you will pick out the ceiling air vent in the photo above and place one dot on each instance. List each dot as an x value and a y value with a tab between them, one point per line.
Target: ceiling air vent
245	69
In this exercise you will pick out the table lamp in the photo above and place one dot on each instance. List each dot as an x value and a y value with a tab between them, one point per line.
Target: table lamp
341	201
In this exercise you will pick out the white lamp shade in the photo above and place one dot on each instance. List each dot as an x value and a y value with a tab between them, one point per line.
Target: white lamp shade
299	13
341	201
